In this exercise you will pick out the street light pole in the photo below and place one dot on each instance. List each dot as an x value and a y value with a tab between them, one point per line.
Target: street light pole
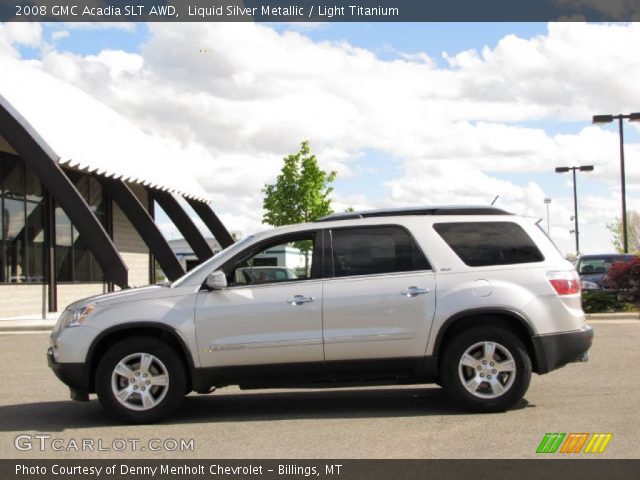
602	119
623	187
582	168
575	210
547	201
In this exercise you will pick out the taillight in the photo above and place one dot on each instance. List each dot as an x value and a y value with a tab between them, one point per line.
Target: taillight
565	283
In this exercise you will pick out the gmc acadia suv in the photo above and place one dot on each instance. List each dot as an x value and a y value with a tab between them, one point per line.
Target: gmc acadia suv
472	298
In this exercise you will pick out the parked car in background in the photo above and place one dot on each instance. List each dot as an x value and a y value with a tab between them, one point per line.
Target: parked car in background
252	275
593	268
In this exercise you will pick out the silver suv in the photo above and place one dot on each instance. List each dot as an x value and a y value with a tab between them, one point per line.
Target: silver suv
472	298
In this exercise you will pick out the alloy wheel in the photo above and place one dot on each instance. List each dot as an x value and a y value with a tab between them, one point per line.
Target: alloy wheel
487	369
140	381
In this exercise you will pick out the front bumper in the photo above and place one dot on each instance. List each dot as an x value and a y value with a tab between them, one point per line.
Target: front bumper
74	375
556	350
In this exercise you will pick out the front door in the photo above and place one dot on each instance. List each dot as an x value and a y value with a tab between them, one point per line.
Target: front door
268	315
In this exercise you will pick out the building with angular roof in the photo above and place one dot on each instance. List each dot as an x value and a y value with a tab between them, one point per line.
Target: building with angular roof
78	188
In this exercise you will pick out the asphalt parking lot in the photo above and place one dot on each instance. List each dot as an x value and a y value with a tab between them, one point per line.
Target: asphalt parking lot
391	422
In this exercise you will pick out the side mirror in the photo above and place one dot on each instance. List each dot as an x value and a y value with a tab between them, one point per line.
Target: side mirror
216	280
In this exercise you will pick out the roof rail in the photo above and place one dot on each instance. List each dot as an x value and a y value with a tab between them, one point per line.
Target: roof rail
435	210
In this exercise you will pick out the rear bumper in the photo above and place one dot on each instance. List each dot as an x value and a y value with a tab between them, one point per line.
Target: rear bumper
556	350
74	375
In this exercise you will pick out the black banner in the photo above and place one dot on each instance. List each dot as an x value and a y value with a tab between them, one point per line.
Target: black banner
317	10
544	469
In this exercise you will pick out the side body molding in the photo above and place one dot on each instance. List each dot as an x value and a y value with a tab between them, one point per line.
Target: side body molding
42	160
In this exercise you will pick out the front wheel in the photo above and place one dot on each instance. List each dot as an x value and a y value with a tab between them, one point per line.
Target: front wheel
140	380
486	369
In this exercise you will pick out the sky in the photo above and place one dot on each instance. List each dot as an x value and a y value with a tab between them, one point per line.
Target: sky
406	114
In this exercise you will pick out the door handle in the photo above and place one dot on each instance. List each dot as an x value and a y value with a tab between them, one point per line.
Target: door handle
414	291
299	300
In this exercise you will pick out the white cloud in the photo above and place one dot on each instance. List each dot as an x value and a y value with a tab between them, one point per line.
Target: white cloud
241	96
59	35
570	73
19	34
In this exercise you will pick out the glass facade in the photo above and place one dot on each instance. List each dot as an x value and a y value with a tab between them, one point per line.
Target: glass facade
23	220
22	234
74	260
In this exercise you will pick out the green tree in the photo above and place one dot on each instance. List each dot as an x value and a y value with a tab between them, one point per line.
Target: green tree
302	193
633	233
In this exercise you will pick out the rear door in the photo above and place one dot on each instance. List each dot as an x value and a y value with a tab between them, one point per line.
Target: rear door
380	300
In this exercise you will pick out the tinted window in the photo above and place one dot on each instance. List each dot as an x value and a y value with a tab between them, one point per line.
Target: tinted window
369	251
489	243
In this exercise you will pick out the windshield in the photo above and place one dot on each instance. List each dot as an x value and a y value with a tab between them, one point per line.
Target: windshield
600	264
203	266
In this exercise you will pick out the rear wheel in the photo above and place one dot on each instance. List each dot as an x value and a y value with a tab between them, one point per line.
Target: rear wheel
486	369
140	380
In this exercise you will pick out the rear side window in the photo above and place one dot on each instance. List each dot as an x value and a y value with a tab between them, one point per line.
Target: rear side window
375	250
481	244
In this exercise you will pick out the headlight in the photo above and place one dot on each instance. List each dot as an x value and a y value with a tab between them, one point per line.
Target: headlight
73	318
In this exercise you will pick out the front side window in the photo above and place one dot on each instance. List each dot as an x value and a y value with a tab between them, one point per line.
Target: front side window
285	260
481	244
375	250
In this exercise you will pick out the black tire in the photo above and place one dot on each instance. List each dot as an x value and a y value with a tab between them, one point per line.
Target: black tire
162	400
494	392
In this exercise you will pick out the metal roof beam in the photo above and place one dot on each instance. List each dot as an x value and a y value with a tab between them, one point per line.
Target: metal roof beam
213	223
183	222
144	225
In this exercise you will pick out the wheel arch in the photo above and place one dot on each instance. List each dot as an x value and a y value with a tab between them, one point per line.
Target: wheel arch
502	317
153	329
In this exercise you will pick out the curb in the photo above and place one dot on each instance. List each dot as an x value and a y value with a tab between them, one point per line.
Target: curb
614	316
7	326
